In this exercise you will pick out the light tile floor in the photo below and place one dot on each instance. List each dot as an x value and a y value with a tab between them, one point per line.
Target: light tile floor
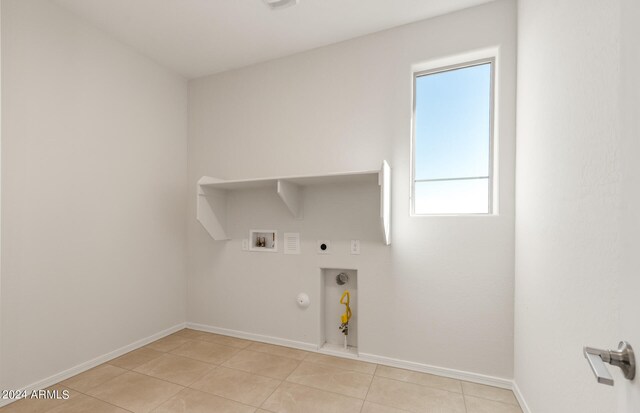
196	372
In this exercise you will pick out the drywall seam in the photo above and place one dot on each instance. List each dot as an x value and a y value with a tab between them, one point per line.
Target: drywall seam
371	358
82	367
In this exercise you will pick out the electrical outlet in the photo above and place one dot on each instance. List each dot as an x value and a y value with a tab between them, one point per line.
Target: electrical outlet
355	247
324	246
245	245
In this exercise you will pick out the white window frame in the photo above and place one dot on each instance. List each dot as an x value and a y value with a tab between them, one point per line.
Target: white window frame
492	192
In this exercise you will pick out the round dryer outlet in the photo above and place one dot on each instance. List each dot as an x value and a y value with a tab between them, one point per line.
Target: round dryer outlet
324	247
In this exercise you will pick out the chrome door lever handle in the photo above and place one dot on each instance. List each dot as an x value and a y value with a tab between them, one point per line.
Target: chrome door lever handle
596	362
623	358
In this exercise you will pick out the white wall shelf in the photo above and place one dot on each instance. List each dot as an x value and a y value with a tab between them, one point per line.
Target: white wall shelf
212	195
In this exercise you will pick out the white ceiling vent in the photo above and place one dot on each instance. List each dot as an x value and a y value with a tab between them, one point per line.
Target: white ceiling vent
280	4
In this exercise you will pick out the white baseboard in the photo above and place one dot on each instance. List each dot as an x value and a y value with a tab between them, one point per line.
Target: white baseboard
523	403
438	371
372	358
63	375
301	345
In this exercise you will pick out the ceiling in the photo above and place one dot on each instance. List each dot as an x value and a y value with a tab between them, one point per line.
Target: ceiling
201	37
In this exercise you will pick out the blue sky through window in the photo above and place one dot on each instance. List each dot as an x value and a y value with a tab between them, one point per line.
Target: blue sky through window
452	140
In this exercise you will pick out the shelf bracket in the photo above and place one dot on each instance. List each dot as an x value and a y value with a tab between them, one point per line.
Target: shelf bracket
212	209
291	195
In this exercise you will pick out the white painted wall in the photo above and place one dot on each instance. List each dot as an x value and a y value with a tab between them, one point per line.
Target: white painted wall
442	293
577	200
93	193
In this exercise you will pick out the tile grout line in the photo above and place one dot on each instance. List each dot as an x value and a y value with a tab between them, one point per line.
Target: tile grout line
493	400
167	381
424	385
170	382
310	387
461	392
109	403
400	381
375	374
369	388
136	372
392	407
322	390
330	391
285	379
188	387
215	395
122	374
313	388
339	368
251	342
190	358
465	395
231	368
210	394
269	396
207	362
300	361
308	353
226	398
82	393
94	397
381	404
249	372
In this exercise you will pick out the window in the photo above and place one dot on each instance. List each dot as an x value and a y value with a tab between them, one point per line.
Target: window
453	140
